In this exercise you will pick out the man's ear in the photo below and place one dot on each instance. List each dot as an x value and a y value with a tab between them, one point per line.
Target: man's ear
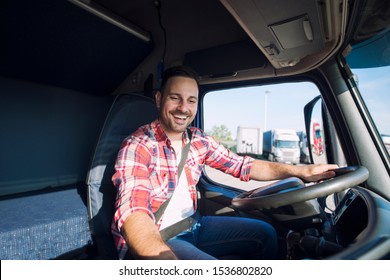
158	97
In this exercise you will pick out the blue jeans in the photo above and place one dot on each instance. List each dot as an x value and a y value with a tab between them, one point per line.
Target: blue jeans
226	237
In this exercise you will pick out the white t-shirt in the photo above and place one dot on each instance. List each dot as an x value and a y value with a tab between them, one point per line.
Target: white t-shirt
181	205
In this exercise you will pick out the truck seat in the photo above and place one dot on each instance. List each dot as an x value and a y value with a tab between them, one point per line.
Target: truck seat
128	112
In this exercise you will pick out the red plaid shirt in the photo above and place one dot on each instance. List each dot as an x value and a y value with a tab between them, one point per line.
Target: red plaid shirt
146	171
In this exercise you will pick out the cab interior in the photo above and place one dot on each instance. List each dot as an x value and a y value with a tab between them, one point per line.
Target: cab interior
77	76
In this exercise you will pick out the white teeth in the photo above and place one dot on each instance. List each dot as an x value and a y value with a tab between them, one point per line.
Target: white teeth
182	118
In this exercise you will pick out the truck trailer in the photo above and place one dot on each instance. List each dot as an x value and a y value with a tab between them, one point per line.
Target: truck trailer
249	140
281	145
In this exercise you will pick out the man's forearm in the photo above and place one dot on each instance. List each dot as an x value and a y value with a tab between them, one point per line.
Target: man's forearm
266	171
144	239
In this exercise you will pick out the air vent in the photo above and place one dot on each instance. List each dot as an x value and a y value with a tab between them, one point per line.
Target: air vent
293	33
286	31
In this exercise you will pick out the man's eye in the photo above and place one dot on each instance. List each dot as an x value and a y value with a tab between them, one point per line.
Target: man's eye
193	100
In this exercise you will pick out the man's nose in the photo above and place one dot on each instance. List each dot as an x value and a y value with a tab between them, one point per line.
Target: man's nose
183	106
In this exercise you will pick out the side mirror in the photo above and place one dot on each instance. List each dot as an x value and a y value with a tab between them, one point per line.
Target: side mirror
314	130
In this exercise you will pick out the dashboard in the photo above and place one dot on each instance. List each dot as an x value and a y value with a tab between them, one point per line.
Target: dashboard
362	225
350	217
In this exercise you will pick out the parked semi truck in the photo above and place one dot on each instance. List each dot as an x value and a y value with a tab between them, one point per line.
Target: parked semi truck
281	145
317	145
249	140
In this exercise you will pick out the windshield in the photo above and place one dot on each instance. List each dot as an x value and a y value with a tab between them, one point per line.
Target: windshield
286	144
374	85
370	62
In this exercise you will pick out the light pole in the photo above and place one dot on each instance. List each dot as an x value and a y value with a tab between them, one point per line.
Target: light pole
266	108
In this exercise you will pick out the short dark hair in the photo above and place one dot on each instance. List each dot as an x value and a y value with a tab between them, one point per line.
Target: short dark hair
178	71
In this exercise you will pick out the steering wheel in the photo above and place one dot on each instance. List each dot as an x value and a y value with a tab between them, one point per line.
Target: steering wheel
293	190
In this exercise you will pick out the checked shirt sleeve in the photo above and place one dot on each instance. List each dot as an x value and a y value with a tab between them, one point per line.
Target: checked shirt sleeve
225	160
132	180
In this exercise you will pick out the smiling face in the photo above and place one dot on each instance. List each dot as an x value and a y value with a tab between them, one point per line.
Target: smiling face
178	105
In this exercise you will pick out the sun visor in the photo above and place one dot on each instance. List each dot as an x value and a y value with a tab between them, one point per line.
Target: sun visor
213	62
373	52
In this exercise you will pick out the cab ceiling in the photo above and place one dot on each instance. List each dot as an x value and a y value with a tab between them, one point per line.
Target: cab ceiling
289	36
56	43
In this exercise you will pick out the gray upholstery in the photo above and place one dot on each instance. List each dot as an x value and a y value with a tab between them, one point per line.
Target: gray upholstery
128	112
44	225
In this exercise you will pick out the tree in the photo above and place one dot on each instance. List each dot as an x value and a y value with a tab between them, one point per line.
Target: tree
220	133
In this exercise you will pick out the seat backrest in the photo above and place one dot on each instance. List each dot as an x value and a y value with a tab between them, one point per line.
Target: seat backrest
128	112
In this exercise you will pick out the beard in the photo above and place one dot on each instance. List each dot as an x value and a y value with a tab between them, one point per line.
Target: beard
172	124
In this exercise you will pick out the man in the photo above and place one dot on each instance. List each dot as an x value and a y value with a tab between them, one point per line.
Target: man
146	176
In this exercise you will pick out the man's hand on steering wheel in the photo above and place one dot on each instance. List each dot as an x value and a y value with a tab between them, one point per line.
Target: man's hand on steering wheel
317	172
292	190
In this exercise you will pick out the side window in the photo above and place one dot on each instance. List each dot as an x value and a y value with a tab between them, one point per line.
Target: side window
264	122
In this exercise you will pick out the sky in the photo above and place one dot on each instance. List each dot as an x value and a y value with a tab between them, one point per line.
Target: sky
284	104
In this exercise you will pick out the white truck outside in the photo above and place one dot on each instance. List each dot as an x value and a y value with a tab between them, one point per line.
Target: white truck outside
249	140
281	145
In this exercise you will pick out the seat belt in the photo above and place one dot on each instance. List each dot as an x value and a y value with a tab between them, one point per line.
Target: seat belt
187	223
179	227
